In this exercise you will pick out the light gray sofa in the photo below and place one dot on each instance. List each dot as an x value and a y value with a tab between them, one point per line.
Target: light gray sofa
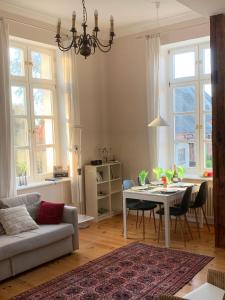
26	250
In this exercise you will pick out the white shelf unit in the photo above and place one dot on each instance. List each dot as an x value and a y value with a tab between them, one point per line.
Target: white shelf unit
103	193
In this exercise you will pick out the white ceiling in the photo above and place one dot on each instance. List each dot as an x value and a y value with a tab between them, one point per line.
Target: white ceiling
205	7
131	16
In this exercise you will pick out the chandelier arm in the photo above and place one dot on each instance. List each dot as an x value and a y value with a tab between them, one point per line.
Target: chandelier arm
103	49
101	44
67	47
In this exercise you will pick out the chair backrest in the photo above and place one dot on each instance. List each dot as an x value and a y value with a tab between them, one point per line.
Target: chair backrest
186	199
127	184
202	194
146	181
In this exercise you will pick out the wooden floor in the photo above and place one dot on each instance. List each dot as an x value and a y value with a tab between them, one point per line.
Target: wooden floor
105	236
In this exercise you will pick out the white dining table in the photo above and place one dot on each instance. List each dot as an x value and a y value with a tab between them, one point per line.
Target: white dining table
156	194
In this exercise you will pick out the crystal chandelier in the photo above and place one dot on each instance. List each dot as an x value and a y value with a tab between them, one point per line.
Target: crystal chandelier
85	43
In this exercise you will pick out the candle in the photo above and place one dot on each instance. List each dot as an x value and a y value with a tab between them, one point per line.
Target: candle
73	19
96	17
58	26
111	24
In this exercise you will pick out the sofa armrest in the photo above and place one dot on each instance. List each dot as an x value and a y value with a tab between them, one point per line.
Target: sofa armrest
216	278
70	216
167	297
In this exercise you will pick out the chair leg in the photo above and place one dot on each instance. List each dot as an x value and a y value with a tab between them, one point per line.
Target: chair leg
143	217
137	219
154	220
182	230
160	223
196	217
175	230
205	218
150	216
188	226
128	212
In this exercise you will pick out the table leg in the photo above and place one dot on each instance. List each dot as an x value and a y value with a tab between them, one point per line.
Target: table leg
124	217
167	224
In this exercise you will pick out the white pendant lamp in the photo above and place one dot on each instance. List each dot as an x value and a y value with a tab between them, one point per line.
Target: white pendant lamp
158	121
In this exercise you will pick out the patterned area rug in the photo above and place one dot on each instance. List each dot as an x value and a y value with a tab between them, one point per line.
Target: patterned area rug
136	271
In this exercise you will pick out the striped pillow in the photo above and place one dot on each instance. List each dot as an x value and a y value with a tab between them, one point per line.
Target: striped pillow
16	219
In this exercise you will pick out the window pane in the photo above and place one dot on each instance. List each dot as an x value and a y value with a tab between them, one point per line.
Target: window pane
208	156
184	128
18	95
184	99
42	102
206	61
20	132
22	162
16	62
45	161
207	97
42	65
43	131
208	126
184	65
185	155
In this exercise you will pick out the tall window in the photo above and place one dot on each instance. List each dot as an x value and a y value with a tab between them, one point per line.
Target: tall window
34	109
191	100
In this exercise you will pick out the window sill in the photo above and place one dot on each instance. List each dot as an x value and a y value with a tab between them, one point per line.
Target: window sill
41	184
197	177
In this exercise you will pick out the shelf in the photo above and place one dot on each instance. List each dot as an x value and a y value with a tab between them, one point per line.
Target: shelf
116	192
115	179
103	216
101	182
103	196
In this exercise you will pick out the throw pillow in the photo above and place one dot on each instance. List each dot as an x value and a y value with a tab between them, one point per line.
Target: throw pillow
50	213
31	201
16	219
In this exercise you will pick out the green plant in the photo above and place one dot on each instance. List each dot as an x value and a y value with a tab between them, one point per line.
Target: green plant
142	176
169	175
158	172
21	168
181	171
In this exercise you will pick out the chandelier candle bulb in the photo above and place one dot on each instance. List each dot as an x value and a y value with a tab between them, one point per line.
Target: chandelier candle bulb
73	19
111	24
96	18
58	26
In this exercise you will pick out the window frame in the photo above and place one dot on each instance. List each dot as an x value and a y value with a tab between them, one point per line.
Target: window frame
29	83
198	81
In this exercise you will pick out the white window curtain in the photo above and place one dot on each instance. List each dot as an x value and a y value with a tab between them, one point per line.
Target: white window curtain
7	166
152	76
70	128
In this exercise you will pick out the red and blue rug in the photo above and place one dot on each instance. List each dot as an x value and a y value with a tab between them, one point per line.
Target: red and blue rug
133	272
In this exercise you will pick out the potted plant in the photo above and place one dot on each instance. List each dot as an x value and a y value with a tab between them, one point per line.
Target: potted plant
142	176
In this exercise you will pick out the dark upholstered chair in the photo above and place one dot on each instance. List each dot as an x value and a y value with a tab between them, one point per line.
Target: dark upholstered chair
178	212
139	205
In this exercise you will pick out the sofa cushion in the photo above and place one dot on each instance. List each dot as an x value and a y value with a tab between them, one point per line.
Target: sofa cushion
16	219
31	240
50	213
31	201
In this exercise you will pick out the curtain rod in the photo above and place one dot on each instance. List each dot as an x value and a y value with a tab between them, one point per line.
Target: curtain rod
147	35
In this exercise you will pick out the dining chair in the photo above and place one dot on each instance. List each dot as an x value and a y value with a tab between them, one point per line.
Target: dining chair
138	205
199	203
178	212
